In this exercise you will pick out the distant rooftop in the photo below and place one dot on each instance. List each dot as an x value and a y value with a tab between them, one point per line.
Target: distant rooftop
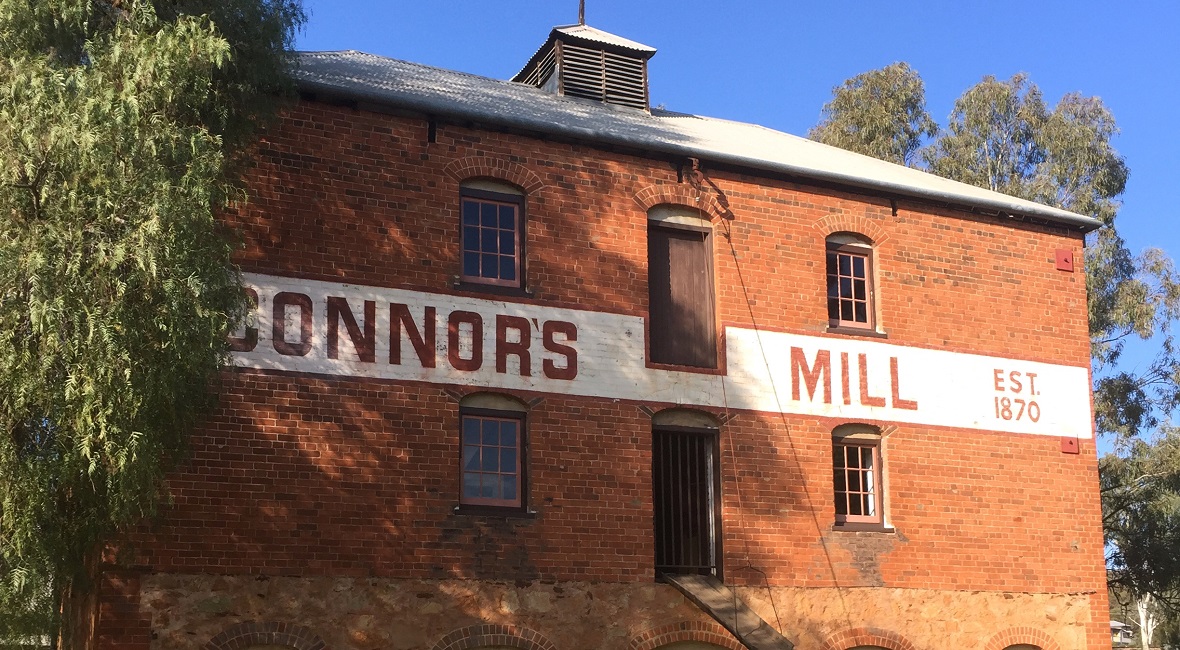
460	96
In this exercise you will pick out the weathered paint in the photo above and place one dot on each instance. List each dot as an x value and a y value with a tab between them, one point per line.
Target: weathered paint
359	331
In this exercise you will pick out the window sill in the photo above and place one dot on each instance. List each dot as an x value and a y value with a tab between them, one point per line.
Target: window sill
494	511
704	370
859	527
494	289
857	331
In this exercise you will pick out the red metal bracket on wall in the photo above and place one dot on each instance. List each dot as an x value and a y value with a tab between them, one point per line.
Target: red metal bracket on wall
1064	260
1069	446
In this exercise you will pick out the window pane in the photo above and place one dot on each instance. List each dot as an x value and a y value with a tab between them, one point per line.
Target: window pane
841	504
845	310
853	456
489	460
489	241
508	242
471	264
508	434
508	487
508	217
833	286
833	308
470	485
507	268
831	264
470	238
470	431
868	505
489	267
487	215
487	488
491	432
845	265
859	289
866	457
470	458
845	287
470	213
854	506
841	484
854	482
838	456
862	312
507	459
858	266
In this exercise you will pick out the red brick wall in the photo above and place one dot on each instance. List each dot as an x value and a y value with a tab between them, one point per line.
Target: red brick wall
299	475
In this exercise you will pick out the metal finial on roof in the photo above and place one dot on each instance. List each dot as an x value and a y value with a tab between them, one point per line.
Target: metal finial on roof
581	12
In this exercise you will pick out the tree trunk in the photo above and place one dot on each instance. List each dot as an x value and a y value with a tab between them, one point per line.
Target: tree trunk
79	607
1147	620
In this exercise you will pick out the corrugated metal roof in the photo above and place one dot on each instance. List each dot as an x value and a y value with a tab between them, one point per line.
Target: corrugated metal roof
588	33
446	93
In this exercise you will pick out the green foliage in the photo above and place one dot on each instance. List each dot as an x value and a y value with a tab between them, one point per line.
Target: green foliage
120	125
993	137
880	113
1141	517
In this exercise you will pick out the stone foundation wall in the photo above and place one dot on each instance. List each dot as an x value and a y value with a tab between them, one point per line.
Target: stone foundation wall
195	612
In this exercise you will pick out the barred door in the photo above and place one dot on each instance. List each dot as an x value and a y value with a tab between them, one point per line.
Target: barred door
685	489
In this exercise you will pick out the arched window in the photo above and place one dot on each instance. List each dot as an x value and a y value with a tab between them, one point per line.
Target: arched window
850	281
682	328
491	237
858	475
686	491
493	445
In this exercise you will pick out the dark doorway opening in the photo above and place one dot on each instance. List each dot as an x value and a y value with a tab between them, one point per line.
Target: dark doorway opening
686	490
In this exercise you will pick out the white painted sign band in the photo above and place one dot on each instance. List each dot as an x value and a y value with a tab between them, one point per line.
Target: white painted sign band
358	331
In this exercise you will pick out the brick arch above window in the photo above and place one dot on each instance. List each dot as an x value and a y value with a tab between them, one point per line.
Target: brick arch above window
834	223
494	636
250	633
680	194
869	637
488	167
698	631
1022	636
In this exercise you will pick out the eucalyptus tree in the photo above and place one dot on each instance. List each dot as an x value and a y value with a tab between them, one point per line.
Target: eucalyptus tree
123	127
1001	135
879	113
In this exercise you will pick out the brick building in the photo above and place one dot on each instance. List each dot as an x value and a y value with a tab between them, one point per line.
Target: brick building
537	366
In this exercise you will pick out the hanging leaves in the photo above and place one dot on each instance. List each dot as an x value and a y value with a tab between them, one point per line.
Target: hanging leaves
123	126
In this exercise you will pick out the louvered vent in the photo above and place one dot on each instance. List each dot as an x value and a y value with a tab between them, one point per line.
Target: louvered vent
580	61
603	76
542	75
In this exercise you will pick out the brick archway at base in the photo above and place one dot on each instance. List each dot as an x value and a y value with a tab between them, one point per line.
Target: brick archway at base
479	636
1022	636
870	636
244	635
700	631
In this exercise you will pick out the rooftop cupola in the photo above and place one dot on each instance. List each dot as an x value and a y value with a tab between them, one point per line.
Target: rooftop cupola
581	61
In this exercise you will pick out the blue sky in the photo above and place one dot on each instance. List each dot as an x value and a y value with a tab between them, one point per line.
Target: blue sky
775	62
